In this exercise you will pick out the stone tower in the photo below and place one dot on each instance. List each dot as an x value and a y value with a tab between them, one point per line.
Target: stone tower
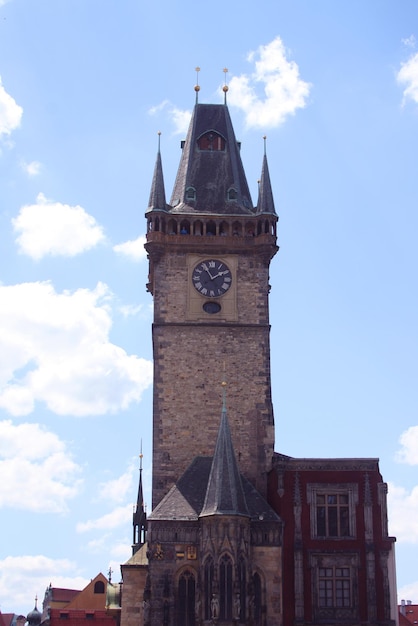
209	253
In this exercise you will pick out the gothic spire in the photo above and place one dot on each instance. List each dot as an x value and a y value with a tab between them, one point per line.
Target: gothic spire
139	520
265	202
157	194
224	493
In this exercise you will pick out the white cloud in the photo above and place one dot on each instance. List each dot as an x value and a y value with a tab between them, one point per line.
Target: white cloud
115	490
179	117
133	249
410	41
55	349
130	310
403	513
32	169
116	518
38	473
409	442
22	578
10	112
282	93
55	229
408	592
408	76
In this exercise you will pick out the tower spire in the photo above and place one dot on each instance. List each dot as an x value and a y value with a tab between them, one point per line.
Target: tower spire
139	516
224	494
157	194
265	202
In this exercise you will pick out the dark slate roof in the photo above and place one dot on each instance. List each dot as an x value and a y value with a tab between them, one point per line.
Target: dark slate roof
224	494
211	172
157	194
265	195
186	499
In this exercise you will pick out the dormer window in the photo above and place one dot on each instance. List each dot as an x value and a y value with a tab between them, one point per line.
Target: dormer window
232	193
190	194
211	141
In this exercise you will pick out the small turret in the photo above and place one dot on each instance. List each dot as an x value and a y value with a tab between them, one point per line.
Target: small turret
265	202
139	520
157	194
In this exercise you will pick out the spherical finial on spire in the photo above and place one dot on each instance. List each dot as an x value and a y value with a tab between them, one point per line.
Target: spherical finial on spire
225	87
197	87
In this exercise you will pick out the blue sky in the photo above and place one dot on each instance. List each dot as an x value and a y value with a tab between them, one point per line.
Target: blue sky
85	88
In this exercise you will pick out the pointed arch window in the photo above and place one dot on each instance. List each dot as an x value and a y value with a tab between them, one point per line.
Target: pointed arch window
208	586
225	589
211	141
258	600
242	583
186	596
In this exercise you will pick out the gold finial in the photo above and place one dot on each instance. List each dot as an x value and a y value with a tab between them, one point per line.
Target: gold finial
197	88
224	383
225	87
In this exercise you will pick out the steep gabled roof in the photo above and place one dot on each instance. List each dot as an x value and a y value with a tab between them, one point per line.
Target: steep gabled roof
224	494
211	167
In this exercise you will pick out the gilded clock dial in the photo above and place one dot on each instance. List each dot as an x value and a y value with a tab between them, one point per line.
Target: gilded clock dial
212	278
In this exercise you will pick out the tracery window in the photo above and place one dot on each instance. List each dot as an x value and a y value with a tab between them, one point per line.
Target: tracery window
208	586
186	597
242	584
225	589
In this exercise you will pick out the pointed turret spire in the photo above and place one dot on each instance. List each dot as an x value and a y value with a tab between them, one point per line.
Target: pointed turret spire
265	194
139	516
157	194
224	494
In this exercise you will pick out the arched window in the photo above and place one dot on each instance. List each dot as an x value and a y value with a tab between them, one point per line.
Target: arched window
224	228
211	141
172	227
198	228
232	193
186	599
242	582
257	598
190	194
236	228
99	587
185	228
225	589
211	228
208	586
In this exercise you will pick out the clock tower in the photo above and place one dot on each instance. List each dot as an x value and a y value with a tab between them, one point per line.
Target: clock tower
209	252
238	535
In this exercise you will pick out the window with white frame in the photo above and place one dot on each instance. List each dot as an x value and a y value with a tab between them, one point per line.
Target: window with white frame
333	510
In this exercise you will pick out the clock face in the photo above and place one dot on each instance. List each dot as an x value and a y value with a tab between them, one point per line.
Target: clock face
212	278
